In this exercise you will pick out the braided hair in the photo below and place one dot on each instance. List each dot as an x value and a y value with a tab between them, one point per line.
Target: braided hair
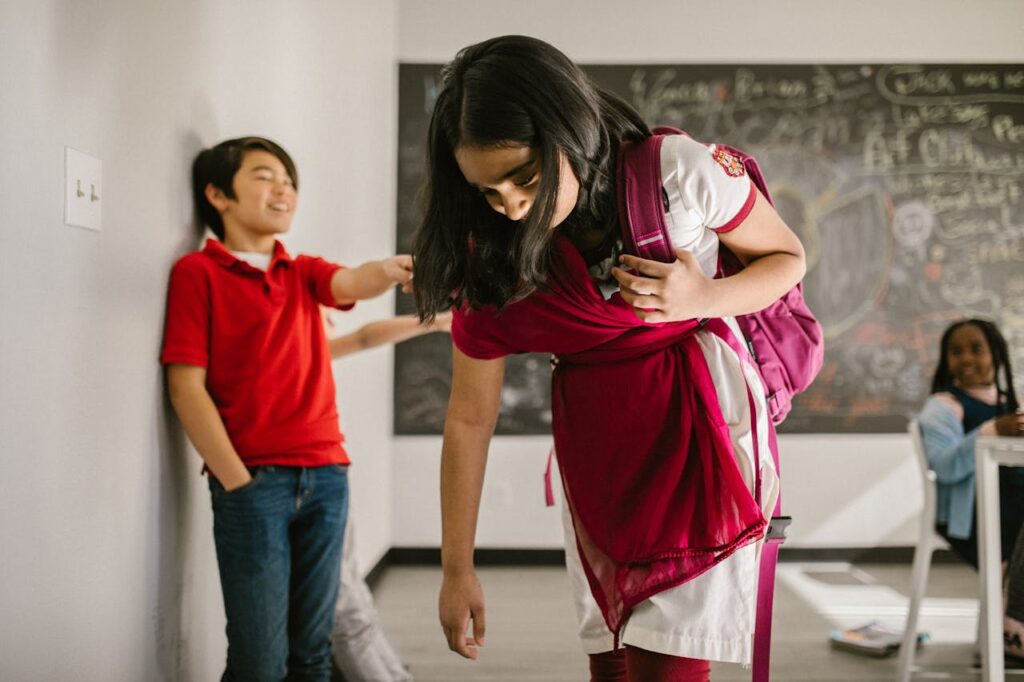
943	378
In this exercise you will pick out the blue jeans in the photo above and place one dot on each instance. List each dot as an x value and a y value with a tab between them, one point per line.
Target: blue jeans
279	541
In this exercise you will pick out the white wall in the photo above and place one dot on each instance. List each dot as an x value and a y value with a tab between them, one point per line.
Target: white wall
843	491
107	569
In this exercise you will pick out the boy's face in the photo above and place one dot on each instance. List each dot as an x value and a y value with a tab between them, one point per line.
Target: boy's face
265	199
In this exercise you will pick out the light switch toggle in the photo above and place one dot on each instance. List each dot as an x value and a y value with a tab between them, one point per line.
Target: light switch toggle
82	208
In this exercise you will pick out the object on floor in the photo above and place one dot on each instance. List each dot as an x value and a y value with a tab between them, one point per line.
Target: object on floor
872	639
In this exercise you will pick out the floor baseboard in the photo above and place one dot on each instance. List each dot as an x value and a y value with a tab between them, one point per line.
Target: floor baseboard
431	556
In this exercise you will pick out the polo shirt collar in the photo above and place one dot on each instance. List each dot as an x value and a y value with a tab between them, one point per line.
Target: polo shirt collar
216	250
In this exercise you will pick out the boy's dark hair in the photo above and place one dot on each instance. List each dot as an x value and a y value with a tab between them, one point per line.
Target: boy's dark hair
511	91
943	379
217	166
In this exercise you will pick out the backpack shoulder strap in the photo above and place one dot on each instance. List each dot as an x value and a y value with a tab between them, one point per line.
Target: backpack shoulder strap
776	534
639	198
640	195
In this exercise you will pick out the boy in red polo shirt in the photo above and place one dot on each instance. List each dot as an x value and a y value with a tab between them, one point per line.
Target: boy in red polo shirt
248	370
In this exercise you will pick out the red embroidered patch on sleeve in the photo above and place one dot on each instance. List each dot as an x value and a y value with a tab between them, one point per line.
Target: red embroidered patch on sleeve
730	162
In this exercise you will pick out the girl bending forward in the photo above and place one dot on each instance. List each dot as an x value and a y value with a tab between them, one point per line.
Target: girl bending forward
653	416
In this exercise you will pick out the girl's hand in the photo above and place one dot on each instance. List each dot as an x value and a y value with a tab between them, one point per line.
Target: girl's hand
462	600
1010	424
665	292
399	270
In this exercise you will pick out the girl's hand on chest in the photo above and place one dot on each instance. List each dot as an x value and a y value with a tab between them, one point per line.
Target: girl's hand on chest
665	292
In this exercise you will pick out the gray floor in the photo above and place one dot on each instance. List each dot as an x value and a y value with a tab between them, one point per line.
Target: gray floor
531	629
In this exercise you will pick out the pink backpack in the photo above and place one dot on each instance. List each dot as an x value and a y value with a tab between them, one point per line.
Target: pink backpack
784	339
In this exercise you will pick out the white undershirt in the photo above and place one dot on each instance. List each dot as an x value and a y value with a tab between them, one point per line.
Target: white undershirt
260	261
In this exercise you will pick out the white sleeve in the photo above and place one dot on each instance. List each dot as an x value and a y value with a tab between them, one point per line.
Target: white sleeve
710	182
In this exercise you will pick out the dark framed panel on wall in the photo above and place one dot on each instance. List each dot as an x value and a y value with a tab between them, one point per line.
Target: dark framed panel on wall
905	183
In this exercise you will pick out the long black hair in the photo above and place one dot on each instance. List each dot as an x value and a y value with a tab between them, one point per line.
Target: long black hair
512	91
943	379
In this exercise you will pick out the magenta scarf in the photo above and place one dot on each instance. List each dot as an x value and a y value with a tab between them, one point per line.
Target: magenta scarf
647	464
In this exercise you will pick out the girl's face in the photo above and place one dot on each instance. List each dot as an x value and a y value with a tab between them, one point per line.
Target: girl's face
970	358
508	177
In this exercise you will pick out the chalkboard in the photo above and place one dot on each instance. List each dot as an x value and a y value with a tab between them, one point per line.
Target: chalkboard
904	182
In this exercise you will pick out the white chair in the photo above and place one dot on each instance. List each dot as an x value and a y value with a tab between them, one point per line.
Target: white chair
927	542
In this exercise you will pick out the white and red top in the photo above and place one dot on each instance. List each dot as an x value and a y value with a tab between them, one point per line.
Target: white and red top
708	192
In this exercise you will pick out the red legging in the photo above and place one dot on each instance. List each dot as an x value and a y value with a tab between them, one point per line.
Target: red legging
639	665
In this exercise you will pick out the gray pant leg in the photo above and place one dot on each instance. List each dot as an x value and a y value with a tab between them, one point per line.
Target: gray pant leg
359	648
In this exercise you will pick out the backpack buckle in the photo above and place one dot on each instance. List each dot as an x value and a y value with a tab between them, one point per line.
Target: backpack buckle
777	529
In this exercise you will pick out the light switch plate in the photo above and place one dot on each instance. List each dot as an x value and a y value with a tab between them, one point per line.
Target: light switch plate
83	189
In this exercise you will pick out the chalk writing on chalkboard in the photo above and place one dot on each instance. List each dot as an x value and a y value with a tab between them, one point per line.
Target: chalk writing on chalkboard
904	182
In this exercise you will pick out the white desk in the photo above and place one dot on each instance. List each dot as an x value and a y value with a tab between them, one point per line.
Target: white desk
992	451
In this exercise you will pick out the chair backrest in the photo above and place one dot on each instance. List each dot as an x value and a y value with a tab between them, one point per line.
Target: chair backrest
928	477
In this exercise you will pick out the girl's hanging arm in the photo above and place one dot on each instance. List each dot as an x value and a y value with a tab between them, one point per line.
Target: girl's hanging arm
774	260
472	415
